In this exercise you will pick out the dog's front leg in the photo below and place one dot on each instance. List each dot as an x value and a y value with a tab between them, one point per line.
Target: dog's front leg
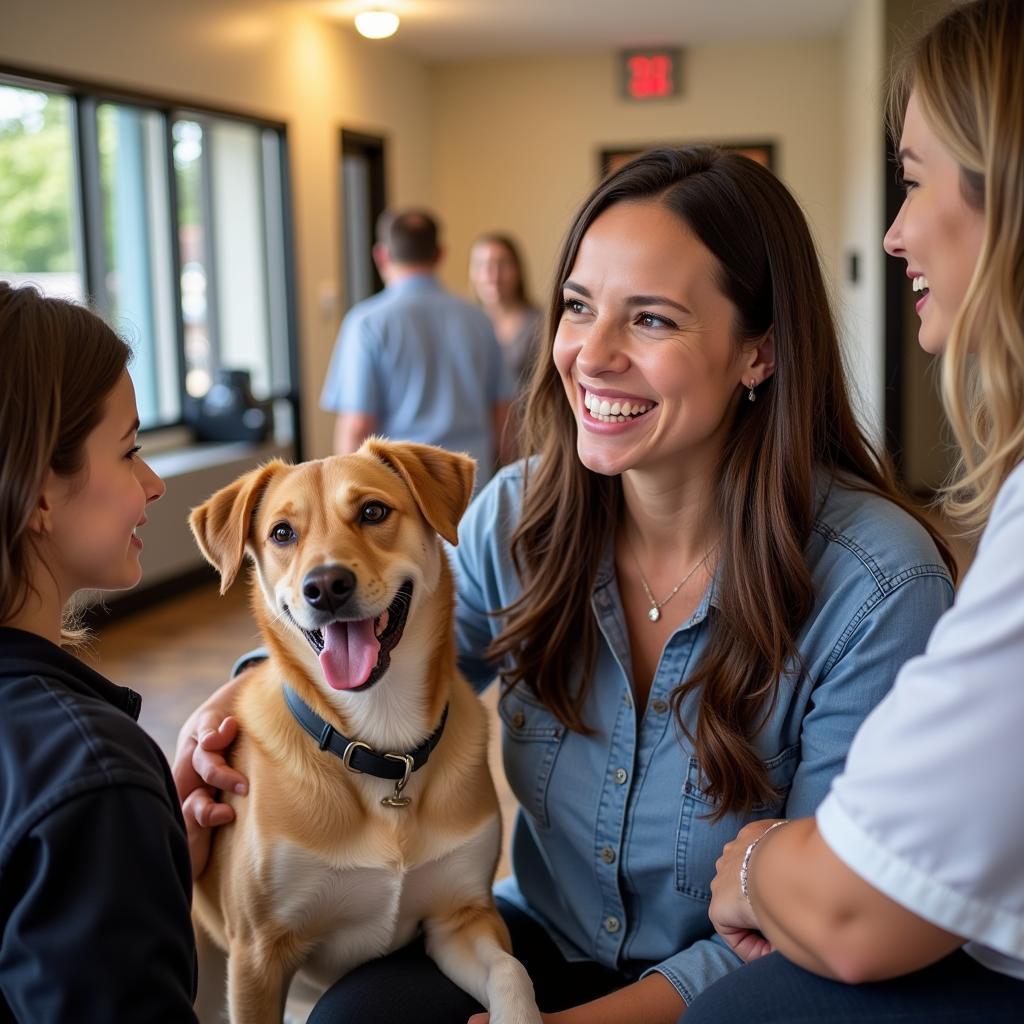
257	983
471	946
211	996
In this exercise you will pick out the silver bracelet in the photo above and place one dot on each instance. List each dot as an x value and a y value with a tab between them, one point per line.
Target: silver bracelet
745	866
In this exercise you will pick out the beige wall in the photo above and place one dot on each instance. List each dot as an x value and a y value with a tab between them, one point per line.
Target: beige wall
517	140
508	143
271	58
861	304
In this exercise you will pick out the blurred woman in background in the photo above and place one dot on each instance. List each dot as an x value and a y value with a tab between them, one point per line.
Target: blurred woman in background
498	282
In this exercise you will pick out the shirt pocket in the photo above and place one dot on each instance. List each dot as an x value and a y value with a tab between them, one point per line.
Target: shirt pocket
699	840
531	741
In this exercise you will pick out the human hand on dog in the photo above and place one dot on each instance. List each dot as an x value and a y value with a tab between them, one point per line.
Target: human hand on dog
200	770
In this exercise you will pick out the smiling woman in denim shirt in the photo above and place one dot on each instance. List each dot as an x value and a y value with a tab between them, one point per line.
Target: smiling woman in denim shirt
694	591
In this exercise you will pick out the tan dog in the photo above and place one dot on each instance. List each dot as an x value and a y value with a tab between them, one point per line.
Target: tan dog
327	865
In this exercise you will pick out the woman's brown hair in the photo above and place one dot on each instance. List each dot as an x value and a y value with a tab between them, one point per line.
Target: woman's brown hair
801	423
60	362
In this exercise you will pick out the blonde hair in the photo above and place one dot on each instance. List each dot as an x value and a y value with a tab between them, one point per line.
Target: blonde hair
968	72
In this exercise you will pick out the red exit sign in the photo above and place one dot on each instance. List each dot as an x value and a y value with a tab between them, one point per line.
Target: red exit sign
650	74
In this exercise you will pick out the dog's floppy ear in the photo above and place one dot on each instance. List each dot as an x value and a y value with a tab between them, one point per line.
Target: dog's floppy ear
221	524
440	481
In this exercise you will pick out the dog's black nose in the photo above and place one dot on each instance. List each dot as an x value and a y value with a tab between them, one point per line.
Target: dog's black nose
328	587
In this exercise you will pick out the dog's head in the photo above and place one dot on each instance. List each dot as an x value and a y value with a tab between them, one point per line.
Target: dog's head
345	548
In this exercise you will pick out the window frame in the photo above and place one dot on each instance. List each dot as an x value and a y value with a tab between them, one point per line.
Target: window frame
86	96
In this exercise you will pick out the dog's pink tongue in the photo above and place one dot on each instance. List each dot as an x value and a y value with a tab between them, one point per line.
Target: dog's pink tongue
350	653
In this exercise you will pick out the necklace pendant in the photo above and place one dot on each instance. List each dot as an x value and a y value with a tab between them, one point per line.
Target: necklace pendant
654	614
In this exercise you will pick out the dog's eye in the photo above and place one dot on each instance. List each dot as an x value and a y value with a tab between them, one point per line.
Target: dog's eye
282	533
374	512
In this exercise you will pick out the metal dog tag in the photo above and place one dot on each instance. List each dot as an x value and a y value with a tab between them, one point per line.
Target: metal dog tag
396	799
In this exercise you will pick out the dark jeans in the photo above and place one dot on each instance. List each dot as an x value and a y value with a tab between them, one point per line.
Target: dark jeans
406	987
774	991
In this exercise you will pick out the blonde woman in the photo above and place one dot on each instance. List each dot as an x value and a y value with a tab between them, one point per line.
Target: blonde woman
911	875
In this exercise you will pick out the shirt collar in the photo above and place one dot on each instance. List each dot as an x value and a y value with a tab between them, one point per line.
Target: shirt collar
414	283
22	652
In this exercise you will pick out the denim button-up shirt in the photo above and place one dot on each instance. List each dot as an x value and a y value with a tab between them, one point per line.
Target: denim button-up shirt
613	850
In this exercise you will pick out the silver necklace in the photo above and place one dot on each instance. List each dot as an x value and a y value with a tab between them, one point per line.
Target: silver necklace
655	613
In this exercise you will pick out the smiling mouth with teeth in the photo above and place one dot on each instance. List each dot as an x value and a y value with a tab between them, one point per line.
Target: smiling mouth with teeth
355	653
615	410
920	284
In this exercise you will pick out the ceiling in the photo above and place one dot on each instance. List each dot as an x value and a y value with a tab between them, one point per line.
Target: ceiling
439	30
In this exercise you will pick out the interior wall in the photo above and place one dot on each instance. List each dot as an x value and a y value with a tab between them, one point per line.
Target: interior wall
508	143
271	58
517	140
861	302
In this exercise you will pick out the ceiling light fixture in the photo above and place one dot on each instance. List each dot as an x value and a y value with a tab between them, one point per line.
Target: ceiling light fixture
376	24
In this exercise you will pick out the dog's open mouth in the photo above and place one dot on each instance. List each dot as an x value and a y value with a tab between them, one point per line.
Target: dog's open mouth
355	653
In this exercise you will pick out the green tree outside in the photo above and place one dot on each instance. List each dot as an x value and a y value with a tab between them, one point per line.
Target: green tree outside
36	182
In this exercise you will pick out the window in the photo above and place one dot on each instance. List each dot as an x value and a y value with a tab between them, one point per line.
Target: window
38	198
232	274
172	222
135	287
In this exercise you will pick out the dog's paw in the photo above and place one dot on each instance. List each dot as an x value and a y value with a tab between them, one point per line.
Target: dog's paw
512	999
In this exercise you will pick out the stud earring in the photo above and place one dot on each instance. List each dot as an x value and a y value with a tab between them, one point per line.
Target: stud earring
751	397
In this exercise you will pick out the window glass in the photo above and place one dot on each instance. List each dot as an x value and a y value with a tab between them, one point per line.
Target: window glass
138	276
192	247
231	238
39	242
172	224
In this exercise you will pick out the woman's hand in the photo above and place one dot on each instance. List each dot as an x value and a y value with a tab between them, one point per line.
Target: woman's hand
733	917
200	770
652	1000
547	1018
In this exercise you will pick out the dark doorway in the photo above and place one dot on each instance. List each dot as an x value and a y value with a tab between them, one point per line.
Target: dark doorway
916	428
363	199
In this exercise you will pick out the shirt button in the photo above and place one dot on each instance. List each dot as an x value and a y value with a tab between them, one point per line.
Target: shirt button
608	855
611	925
621	775
660	706
518	720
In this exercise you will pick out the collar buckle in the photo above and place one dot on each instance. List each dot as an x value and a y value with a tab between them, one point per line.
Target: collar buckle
350	749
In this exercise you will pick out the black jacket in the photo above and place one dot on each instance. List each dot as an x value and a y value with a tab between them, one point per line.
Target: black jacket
95	881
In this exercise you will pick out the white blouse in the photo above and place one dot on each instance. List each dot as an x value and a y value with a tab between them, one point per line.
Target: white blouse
930	807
